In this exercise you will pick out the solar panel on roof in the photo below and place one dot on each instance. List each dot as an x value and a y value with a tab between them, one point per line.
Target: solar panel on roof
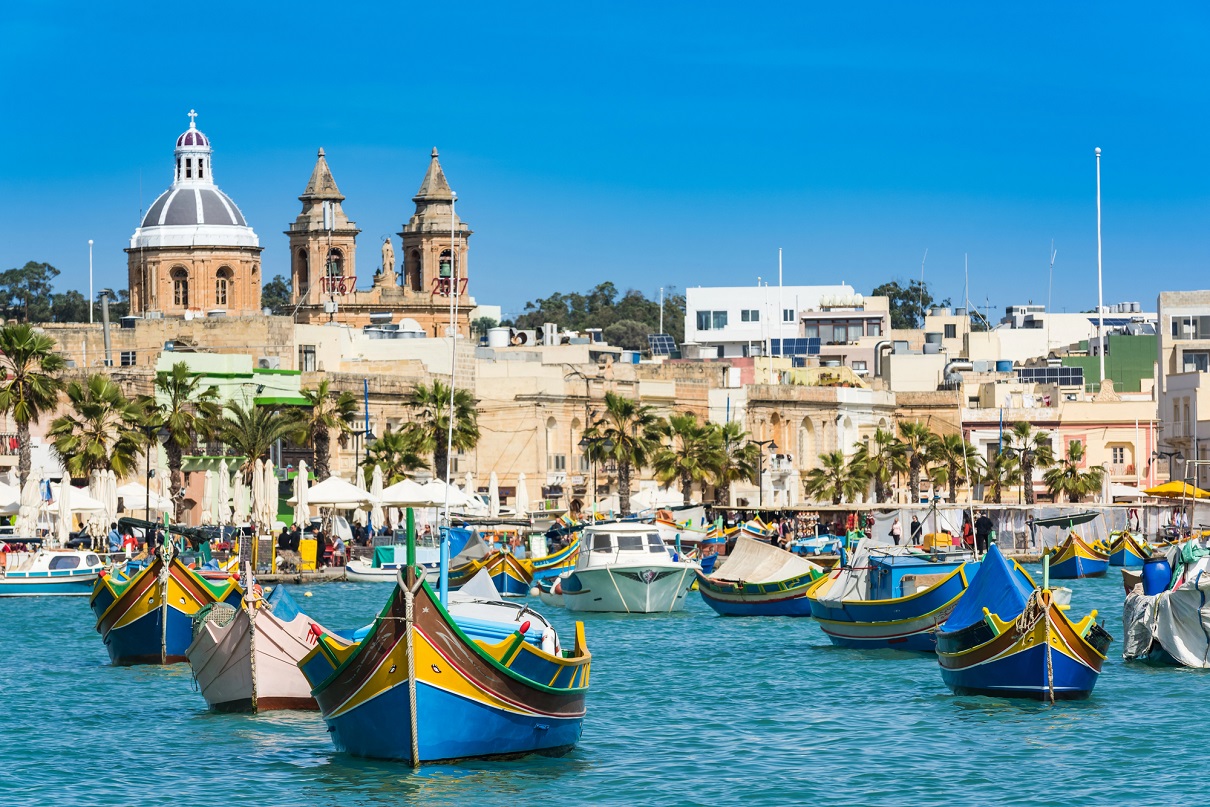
662	345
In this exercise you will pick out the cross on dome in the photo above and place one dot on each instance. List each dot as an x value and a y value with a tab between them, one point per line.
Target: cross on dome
192	119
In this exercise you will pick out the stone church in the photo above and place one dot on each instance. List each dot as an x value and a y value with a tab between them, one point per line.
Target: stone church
195	255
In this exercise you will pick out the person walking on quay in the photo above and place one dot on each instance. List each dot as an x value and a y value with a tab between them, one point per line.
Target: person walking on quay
917	532
983	531
114	539
896	531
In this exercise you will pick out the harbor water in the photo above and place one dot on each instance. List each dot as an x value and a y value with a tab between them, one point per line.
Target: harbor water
687	708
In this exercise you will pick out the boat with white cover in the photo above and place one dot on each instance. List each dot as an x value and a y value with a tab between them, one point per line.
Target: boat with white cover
625	567
50	573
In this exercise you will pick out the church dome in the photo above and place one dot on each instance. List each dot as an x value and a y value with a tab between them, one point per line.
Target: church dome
193	212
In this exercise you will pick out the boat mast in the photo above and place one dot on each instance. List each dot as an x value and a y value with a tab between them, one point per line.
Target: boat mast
449	437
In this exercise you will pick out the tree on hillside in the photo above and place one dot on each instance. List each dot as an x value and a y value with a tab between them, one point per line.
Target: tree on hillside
275	296
602	307
908	303
25	292
628	333
70	306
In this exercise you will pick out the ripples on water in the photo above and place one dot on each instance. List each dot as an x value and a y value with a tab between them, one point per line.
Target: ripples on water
685	709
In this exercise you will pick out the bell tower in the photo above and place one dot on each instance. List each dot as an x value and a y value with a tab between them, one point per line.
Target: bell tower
323	249
429	258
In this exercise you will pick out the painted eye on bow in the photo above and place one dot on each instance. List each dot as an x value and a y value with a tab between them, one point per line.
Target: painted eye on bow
436	669
392	670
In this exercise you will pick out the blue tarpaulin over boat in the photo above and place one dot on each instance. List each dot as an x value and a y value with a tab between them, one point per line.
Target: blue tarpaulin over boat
999	587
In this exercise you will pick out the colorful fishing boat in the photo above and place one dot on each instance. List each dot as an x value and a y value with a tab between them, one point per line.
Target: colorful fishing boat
555	563
1164	618
418	688
245	658
759	579
1009	638
1076	558
1125	550
147	618
49	573
888	597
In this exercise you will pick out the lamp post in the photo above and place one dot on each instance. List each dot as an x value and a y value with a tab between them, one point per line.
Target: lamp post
760	465
1170	455
90	297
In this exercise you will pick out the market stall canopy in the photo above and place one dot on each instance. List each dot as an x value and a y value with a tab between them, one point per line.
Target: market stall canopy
409	494
1119	491
337	492
1177	490
134	496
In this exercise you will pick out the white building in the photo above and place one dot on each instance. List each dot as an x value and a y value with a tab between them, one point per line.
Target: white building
731	321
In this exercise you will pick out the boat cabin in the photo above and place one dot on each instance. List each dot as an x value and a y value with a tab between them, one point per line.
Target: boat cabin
894	576
608	544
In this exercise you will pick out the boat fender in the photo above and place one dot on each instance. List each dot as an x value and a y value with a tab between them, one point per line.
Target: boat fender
534	592
548	642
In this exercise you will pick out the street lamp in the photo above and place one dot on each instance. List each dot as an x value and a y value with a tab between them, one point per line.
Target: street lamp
589	446
1170	455
760	465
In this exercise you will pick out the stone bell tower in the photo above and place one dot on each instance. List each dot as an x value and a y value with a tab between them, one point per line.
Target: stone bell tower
323	249
429	261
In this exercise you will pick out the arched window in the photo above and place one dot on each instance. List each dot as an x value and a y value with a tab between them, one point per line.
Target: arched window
188	168
201	168
336	263
411	272
303	272
180	287
222	285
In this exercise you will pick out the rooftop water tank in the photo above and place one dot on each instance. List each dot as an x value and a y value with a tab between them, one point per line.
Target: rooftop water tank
497	337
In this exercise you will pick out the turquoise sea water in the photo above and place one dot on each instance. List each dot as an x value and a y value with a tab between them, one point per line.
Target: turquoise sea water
687	708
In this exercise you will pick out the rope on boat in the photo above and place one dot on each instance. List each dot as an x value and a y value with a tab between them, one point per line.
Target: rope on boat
410	621
1035	609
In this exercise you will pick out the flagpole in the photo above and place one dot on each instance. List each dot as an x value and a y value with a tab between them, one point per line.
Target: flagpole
1100	293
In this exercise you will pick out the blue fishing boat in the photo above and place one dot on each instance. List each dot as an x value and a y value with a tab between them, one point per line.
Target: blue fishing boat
1009	638
550	566
1127	551
147	618
418	688
1076	558
50	573
759	579
888	597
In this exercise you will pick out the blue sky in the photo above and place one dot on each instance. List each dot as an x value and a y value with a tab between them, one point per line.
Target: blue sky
649	144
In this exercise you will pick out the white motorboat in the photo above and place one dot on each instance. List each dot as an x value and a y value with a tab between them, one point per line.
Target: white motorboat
49	573
625	567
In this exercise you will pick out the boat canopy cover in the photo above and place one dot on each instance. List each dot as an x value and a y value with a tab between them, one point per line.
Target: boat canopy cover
999	586
852	583
1069	520
753	561
479	587
283	606
1177	619
475	548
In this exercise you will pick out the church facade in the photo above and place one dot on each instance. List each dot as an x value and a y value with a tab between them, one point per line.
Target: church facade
194	254
413	293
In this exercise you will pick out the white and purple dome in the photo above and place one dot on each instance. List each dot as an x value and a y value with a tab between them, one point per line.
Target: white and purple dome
193	211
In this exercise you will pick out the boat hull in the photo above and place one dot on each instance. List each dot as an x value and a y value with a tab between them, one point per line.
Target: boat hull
552	565
1074	559
509	575
472	700
903	623
628	589
1127	552
1014	663
787	598
251	665
148	619
79	585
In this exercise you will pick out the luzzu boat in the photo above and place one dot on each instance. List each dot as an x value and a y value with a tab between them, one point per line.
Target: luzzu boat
1006	637
147	618
759	579
555	563
50	572
418	688
888	597
1126	551
245	659
1164	618
1076	558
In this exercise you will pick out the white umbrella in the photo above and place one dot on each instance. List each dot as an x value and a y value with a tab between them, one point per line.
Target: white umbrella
468	485
393	518
302	509
164	487
361	516
521	507
440	492
135	497
407	493
376	515
224	494
78	501
258	508
493	495
240	498
31	500
339	493
10	500
64	525
270	494
96	490
207	498
111	497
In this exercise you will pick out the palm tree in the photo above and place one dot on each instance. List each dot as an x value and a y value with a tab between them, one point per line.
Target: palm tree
432	407
1066	478
29	386
251	431
880	459
1001	470
628	433
738	460
694	453
102	432
328	412
187	412
1033	450
918	444
956	457
395	453
835	479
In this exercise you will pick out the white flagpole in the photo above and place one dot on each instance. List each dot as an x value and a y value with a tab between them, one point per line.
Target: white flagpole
1100	293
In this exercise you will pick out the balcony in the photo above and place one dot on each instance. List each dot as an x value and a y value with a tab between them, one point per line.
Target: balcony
1121	469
